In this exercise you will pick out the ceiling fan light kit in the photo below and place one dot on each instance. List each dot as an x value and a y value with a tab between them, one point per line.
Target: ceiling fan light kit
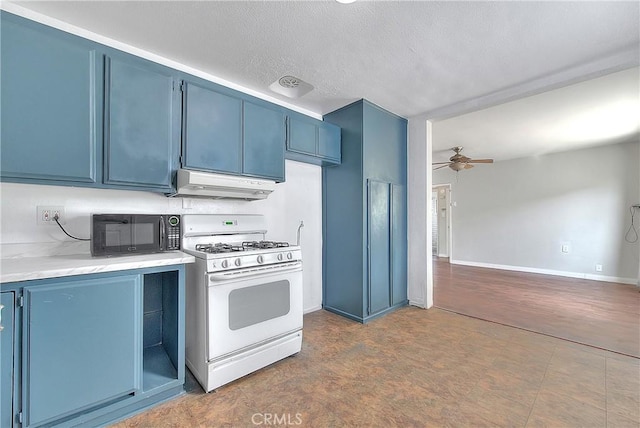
458	162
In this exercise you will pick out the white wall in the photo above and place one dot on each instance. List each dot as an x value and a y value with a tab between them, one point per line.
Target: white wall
299	198
518	213
420	278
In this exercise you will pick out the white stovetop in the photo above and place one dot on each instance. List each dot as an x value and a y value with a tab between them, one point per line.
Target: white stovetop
53	266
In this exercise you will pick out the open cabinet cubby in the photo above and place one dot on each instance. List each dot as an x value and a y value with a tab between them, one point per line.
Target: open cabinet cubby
161	364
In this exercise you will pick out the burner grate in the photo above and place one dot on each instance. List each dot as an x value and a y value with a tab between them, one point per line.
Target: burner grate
264	245
219	248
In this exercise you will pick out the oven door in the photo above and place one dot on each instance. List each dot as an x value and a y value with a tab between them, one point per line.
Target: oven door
250	307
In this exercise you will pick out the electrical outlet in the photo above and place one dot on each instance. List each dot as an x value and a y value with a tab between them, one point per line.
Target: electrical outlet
598	268
565	248
46	214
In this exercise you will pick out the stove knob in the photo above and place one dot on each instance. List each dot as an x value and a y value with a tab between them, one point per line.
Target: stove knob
238	262
260	259
225	263
289	256
280	257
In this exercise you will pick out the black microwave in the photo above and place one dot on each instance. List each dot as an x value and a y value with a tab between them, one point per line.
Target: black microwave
123	234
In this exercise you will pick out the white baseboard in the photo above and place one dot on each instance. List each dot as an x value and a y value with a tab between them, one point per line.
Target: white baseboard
588	276
311	309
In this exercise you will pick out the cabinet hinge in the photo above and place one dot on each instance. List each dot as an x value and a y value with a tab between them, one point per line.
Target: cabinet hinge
20	302
178	86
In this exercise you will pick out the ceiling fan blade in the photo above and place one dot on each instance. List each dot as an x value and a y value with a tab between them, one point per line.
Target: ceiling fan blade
468	166
440	163
480	160
441	166
459	158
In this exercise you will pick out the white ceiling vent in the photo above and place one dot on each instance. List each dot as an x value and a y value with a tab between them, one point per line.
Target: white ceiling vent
291	87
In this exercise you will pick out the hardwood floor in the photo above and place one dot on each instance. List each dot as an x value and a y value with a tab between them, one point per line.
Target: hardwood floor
600	314
419	368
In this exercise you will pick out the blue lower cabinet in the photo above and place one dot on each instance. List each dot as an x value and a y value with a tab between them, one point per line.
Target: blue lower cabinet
163	326
82	345
94	348
142	124
51	105
7	314
264	142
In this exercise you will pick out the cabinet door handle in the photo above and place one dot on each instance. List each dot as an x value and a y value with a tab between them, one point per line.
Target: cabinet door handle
1	308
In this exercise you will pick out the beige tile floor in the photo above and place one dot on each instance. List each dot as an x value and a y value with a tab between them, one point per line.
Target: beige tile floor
419	368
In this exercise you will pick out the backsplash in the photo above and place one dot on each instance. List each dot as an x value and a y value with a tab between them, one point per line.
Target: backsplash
299	198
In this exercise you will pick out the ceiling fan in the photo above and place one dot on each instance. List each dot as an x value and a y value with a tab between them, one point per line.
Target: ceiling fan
458	162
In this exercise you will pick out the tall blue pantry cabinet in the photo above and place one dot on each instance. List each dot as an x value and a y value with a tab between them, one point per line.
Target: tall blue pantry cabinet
364	214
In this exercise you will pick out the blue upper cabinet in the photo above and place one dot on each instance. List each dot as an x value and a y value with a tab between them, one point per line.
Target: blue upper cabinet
51	98
312	141
223	132
302	136
78	113
212	130
263	148
142	124
329	143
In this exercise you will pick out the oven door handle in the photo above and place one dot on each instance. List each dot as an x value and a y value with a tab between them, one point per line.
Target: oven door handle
257	271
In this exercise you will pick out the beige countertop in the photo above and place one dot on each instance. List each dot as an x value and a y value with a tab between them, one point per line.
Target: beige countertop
29	268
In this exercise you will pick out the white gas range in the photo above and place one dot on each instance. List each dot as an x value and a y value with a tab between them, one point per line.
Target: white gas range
243	297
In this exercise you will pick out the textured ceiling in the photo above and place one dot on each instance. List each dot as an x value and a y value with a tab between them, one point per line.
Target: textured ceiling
408	57
600	111
438	59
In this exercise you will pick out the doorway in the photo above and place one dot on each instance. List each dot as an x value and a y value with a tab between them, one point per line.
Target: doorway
441	229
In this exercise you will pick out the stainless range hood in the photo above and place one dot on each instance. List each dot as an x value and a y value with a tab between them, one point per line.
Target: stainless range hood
219	186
